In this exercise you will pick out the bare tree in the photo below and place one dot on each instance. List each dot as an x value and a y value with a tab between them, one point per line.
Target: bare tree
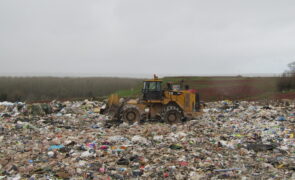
287	80
291	70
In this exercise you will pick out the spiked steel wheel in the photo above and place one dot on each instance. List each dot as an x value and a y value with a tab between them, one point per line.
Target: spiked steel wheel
172	114
130	115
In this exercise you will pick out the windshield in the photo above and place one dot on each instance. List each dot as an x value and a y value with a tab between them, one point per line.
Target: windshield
152	86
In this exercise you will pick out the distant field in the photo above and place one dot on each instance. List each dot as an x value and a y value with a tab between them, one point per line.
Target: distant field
231	88
219	88
33	89
50	88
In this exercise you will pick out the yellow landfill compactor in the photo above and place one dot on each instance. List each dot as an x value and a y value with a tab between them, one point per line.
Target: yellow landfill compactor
171	104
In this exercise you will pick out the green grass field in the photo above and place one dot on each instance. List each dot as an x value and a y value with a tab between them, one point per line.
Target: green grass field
49	88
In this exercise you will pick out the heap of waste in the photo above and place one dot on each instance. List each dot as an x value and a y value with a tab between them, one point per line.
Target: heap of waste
237	140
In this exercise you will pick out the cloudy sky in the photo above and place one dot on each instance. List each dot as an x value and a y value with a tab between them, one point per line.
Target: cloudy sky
123	37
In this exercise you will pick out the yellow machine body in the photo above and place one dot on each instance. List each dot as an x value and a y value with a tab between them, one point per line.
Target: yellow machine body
170	103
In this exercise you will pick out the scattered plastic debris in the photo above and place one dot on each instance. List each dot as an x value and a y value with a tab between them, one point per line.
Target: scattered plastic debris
55	147
71	140
225	170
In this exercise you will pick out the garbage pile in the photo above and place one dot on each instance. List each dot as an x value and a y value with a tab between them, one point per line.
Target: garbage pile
71	140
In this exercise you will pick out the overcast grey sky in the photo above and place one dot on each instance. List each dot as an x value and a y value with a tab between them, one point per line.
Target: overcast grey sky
122	37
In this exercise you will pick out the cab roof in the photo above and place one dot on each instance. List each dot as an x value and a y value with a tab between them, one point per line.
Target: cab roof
153	80
156	79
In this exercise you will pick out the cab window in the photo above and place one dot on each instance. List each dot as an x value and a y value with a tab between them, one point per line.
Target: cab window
152	86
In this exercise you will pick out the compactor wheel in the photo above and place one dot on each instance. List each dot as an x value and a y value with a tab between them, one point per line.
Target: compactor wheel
172	114
130	115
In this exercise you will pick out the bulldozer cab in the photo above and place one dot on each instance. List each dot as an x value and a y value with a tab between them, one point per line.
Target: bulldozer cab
152	90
